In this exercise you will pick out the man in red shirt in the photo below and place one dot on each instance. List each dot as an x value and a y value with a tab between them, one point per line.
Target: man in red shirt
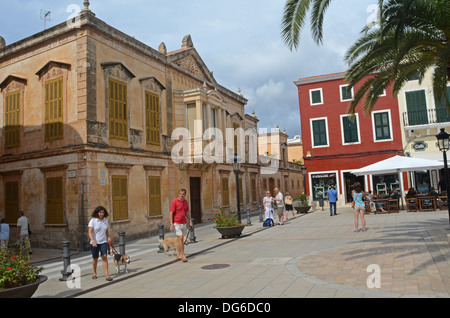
179	212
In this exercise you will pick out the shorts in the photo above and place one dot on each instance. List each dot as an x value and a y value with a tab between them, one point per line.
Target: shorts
102	248
180	229
289	207
359	208
280	211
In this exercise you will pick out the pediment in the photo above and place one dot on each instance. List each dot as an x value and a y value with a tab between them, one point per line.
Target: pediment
189	60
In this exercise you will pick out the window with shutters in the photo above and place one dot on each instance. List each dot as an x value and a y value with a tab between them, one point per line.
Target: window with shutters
350	131
55	209
442	113
319	132
118	110
120	197
416	104
225	192
12	120
253	182
382	126
152	122
11	201
54	109
154	190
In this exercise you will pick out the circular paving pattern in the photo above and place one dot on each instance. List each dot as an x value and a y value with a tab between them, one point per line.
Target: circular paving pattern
406	269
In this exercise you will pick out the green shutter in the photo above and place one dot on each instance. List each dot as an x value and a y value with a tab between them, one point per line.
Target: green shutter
350	127
319	133
417	107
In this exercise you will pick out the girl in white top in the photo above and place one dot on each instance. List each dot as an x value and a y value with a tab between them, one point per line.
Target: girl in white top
99	236
267	203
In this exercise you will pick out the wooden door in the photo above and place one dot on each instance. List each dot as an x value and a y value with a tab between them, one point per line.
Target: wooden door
195	205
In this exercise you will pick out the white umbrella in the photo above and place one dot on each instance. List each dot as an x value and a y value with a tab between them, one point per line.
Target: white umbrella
398	164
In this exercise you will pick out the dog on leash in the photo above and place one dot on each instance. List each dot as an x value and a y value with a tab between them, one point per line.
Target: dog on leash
121	259
171	242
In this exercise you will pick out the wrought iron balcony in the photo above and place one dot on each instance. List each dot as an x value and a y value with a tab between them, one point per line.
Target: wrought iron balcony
426	118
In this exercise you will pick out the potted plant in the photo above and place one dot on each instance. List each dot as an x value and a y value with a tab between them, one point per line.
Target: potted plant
18	278
227	224
302	200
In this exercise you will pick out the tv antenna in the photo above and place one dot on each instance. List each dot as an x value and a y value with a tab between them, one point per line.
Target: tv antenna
45	15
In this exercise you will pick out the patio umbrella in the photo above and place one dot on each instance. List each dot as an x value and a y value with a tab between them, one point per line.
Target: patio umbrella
398	164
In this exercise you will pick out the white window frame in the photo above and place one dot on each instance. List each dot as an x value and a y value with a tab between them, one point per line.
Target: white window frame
310	96
340	93
342	130
374	128
312	132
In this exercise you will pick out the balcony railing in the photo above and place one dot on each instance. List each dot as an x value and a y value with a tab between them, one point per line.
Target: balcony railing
426	117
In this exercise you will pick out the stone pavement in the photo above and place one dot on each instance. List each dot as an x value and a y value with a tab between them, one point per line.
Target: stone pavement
312	256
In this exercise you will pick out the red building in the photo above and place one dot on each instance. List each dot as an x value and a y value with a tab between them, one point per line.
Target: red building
335	143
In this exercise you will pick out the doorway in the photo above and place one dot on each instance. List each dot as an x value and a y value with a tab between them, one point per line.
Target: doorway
349	180
195	204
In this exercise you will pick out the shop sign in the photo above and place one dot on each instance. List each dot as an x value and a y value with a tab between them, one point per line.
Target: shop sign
419	145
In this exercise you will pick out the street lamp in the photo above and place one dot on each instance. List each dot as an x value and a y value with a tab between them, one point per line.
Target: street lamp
443	144
237	170
304	177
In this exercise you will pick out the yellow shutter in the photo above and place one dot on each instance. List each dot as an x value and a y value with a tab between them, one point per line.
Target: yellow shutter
120	197
12	120
152	122
55	211
225	192
118	109
11	201
154	196
54	109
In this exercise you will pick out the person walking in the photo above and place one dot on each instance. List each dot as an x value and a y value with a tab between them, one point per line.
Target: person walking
100	239
4	233
332	197
179	214
280	205
358	206
23	231
267	204
288	205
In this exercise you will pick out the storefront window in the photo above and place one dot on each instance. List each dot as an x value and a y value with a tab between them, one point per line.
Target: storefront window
321	183
383	185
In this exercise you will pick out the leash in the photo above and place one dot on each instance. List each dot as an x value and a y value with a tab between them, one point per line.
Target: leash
187	235
112	249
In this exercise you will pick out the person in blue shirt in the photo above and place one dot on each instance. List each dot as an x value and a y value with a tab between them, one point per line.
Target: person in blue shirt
332	199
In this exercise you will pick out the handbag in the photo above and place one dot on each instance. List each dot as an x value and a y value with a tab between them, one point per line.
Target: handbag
287	201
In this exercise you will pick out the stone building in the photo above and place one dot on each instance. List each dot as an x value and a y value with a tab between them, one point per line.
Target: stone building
91	116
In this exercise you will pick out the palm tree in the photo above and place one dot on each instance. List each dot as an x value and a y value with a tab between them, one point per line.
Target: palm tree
294	16
414	38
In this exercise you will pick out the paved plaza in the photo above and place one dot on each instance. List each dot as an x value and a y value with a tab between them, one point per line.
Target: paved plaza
404	254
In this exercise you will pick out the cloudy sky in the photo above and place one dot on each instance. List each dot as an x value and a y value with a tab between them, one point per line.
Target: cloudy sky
239	40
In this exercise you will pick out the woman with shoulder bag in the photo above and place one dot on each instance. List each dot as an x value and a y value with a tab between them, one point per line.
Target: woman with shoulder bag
358	206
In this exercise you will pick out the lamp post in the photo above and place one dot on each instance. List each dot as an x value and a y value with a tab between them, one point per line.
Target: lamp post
304	177
237	170
443	143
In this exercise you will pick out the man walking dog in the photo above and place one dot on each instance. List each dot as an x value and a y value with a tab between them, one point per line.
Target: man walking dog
179	214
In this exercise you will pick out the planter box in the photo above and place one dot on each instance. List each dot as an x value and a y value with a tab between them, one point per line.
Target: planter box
302	209
25	291
231	231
